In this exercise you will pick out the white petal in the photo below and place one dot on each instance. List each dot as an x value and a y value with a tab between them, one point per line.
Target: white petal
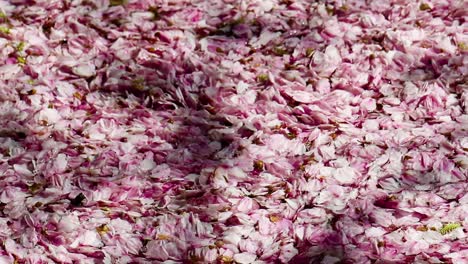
245	257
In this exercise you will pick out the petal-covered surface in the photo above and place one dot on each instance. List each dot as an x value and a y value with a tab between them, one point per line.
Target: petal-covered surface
216	131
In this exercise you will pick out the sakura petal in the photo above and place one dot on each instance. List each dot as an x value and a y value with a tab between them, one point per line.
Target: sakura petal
245	257
86	70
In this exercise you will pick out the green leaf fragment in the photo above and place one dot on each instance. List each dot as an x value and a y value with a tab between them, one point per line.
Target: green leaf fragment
463	46
424	7
138	83
102	229
21	60
262	77
447	228
4	30
20	46
309	52
280	51
117	2
35	187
